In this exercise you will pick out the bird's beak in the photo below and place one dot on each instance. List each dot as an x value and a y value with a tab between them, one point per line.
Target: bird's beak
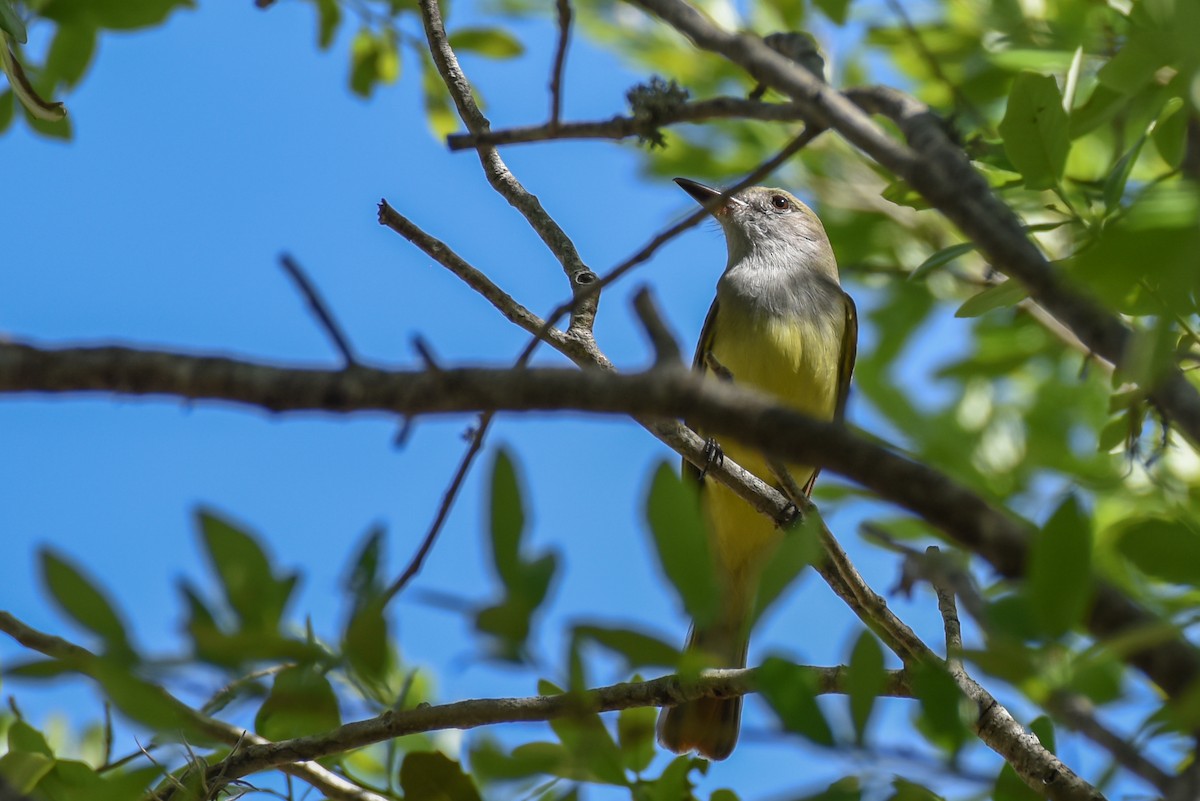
713	199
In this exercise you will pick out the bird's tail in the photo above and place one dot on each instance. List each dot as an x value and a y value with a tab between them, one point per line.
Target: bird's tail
708	726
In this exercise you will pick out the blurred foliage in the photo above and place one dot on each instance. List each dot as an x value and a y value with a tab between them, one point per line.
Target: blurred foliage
1081	114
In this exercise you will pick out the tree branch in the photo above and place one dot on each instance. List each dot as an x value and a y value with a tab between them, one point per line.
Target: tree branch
563	9
320	309
719	407
463	715
621	127
939	170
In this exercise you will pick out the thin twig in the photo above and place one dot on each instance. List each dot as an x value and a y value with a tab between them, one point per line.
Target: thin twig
949	611
1076	713
666	348
448	498
319	308
563	8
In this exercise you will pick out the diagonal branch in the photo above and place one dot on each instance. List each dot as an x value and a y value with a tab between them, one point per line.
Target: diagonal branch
319	308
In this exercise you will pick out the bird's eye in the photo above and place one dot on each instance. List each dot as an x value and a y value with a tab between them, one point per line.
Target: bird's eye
780	202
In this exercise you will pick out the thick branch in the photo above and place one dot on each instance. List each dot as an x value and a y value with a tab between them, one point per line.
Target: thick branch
940	171
721	408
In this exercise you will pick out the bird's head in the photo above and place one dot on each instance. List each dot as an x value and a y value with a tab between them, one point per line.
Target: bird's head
762	220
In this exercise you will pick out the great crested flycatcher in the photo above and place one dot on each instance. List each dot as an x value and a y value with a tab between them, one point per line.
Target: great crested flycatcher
781	324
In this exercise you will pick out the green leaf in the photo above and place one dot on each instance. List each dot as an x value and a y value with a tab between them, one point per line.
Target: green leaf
587	741
681	541
142	701
433	776
673	783
638	649
7	108
836	10
23	770
439	111
940	258
251	589
1134	64
113	14
1004	294
1060	570
902	194
507	519
490	42
23	737
905	790
942	702
83	601
865	680
366	642
1043	727
1170	134
329	17
1165	549
635	735
70	54
301	702
790	690
11	22
723	794
1035	130
490	763
799	548
374	60
845	789
1114	185
364	578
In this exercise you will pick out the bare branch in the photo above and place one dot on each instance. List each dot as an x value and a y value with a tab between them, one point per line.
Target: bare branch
1076	713
666	349
563	9
320	309
949	611
448	498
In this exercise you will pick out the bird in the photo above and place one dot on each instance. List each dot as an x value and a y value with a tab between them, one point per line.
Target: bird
782	324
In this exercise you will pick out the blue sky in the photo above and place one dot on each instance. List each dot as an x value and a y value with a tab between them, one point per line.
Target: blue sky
204	149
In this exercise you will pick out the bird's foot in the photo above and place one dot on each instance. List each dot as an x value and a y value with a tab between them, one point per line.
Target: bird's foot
719	370
713	455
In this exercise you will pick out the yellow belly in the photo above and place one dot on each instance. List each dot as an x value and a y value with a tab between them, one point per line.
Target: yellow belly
799	366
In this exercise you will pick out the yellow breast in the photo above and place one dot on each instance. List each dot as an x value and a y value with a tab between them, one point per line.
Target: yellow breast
798	364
